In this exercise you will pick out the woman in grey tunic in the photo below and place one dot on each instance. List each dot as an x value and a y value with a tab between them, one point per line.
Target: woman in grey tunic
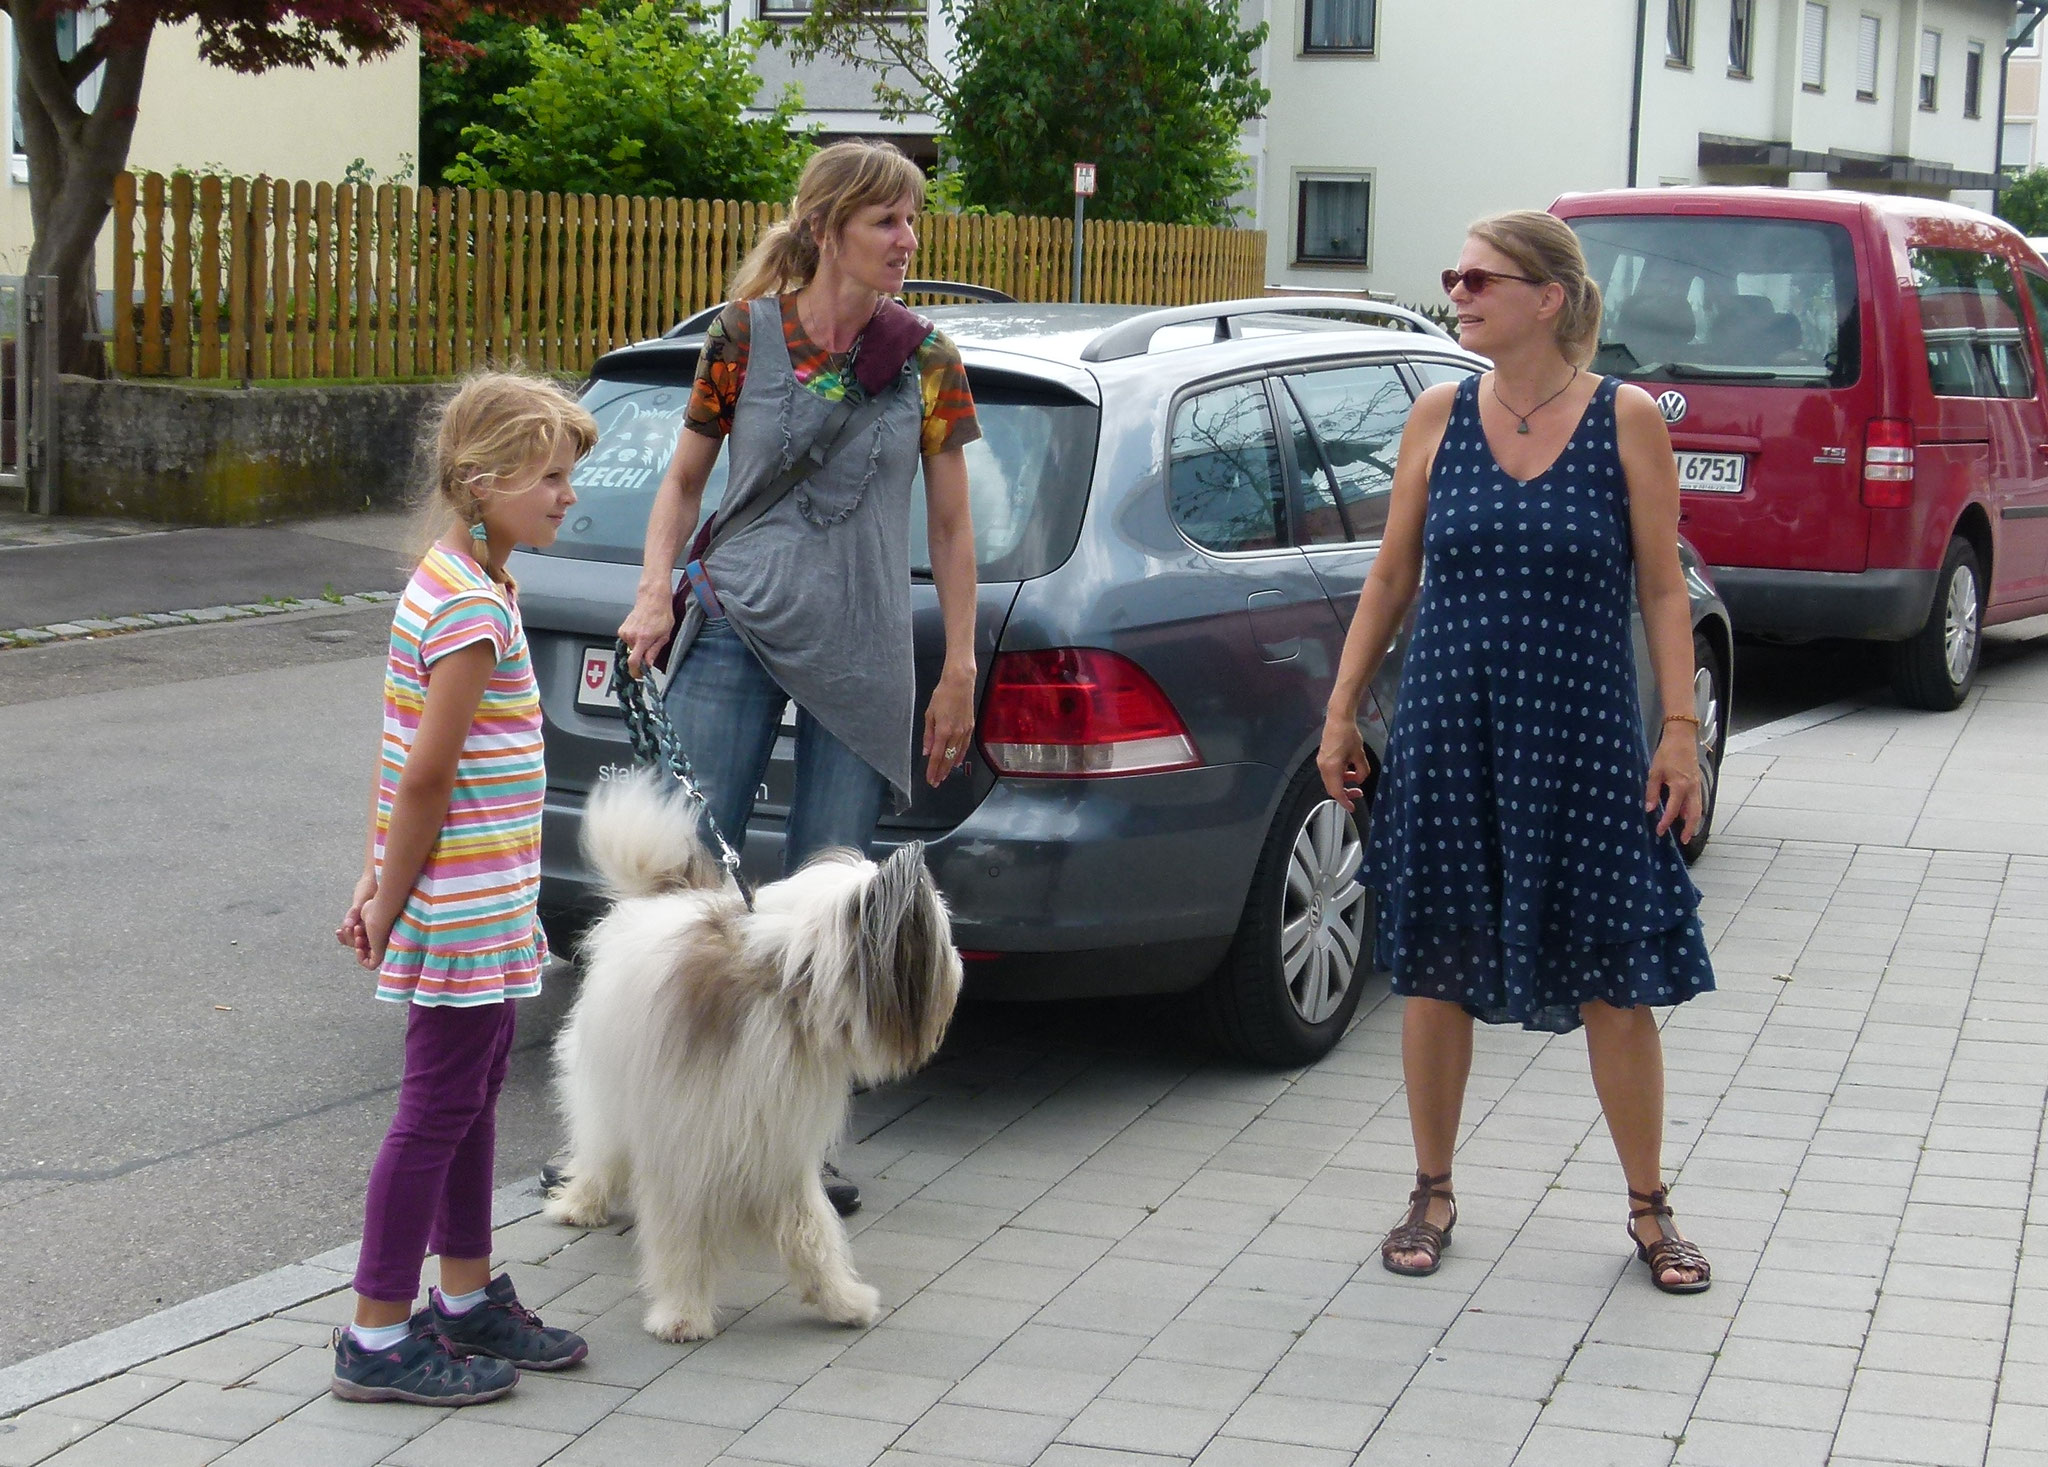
815	592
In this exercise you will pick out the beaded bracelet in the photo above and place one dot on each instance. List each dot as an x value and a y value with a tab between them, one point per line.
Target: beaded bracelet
1691	718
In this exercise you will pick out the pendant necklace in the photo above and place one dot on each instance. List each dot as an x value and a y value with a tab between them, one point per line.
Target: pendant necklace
1522	419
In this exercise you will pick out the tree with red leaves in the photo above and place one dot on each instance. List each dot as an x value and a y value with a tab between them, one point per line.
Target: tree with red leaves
75	153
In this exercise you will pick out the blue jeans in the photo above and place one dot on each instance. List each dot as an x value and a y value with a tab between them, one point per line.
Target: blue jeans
725	708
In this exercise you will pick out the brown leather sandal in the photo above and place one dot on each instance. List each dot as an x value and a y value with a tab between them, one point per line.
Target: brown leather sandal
1416	1233
1669	1251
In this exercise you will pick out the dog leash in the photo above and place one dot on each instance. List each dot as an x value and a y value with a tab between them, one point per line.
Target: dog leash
655	744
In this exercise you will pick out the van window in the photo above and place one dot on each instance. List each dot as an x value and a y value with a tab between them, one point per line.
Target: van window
1970	316
1724	299
1225	487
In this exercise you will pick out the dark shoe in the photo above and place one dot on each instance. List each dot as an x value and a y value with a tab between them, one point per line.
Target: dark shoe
552	1179
419	1368
1670	1252
504	1328
1416	1233
842	1194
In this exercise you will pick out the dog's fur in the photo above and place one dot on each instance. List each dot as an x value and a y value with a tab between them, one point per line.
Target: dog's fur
706	1065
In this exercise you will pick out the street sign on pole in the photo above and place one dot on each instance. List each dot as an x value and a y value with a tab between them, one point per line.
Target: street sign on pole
1084	185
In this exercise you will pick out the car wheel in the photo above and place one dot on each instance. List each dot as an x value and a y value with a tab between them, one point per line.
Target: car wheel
1287	990
565	927
1935	666
1710	706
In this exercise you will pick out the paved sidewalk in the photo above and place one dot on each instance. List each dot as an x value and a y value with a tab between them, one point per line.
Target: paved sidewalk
1125	1261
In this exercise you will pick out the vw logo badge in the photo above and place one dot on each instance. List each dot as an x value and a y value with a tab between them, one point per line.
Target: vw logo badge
1671	404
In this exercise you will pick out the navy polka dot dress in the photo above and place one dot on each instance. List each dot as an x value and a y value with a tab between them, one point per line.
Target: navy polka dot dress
1517	872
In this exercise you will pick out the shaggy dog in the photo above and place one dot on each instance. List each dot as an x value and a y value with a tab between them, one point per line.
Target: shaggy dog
706	1065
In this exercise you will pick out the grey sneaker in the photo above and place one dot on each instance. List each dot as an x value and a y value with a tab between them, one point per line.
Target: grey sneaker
504	1328
842	1194
420	1368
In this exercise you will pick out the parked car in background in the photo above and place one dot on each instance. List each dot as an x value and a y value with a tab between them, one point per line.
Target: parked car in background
1859	402
1174	512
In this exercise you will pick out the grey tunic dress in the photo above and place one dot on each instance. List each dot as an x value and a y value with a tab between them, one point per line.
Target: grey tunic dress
819	586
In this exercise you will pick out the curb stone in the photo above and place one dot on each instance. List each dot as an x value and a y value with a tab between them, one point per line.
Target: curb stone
94	628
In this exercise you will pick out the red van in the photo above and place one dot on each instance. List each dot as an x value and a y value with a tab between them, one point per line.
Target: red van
1859	403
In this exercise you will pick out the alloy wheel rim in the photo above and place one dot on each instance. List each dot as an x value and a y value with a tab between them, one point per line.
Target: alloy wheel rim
1706	707
1322	913
1959	630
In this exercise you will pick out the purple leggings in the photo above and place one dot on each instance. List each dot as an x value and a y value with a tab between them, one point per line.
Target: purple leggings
430	1189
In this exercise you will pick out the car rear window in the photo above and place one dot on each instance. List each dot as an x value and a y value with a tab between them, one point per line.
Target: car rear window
1715	298
1027	476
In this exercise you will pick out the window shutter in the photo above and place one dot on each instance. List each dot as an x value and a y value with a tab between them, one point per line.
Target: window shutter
1930	52
1866	55
1813	48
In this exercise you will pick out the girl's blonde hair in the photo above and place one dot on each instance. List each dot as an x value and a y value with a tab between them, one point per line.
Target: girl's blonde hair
835	184
495	426
1545	247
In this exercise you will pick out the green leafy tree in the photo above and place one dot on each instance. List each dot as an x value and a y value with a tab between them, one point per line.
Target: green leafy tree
1157	92
2023	203
459	88
647	100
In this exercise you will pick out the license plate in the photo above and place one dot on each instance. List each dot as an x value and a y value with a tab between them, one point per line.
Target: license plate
594	686
1711	473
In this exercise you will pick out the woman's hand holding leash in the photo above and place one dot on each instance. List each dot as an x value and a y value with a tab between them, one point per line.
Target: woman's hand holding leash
1675	780
646	630
948	726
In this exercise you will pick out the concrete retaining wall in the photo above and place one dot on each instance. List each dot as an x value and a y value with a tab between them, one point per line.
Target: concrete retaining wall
212	456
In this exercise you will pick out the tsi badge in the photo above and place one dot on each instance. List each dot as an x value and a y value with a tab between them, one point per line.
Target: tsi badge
1671	404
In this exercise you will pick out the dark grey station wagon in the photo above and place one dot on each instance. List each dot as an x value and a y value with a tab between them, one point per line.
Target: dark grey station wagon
1174	511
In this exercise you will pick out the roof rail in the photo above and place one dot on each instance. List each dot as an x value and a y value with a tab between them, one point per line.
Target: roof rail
1133	338
697	324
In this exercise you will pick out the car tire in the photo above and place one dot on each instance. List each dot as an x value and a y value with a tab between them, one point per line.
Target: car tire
1935	666
1710	706
1287	990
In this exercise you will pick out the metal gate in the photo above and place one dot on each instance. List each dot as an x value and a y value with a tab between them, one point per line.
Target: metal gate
28	389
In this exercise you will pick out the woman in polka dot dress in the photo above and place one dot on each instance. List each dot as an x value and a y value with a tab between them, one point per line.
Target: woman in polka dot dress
1524	848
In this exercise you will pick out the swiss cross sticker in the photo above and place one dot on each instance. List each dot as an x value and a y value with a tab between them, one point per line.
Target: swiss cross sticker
596	668
1084	178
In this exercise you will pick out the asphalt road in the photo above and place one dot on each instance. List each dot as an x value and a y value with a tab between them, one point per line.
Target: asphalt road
193	1076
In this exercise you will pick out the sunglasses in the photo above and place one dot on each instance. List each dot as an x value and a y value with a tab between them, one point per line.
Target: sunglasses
1476	280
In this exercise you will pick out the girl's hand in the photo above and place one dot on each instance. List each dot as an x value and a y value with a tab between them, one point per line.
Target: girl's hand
350	933
1341	761
646	630
948	726
380	914
1675	780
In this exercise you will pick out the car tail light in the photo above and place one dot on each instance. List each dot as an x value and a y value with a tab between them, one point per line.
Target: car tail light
1888	463
1079	712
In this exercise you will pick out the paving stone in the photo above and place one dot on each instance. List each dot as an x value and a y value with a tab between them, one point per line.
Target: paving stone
197	1408
108	1399
874	1395
221	1361
808	1439
292	1443
465	1439
1237	1451
1003	1386
30	1437
981	1434
1143	1426
1566	1446
1935	1442
621	1439
1178	1383
120	1445
707	1399
1271	1417
1406	1449
1736	1444
1066	1454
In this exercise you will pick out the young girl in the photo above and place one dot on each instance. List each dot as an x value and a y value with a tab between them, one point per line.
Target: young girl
445	909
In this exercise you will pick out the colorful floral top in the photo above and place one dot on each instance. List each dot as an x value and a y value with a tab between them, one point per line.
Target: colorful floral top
949	420
469	933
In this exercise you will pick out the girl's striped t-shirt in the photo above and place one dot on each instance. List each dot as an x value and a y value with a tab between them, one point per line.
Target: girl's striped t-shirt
469	933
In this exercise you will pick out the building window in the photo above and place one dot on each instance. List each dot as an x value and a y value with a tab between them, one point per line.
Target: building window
1678	32
1741	28
1930	69
1333	218
2016	148
1813	47
1973	80
1869	29
1339	25
74	29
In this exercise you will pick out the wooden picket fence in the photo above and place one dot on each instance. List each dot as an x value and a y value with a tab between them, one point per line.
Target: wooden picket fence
262	278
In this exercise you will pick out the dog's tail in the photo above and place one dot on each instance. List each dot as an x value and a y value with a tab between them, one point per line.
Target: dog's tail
640	836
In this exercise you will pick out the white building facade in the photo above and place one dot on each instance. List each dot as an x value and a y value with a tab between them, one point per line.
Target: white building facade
1394	123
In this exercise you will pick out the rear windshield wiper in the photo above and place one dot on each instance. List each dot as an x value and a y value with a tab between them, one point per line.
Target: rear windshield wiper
1693	373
